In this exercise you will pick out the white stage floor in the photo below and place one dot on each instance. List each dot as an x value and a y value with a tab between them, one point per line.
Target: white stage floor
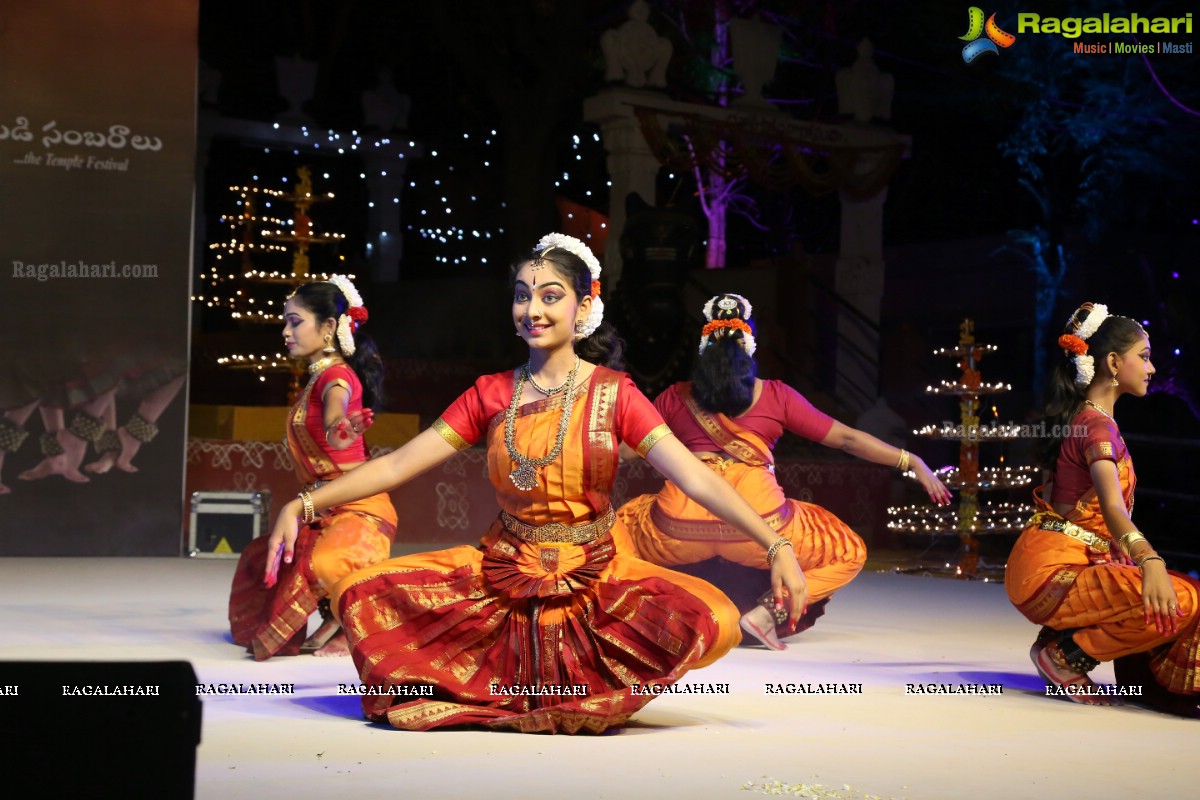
884	631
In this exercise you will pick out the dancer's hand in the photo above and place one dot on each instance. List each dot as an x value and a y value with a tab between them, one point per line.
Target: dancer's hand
1158	598
272	575
786	574
350	427
936	490
281	546
1117	555
361	419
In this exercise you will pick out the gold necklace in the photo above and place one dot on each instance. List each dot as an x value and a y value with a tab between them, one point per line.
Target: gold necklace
320	366
1100	409
524	477
533	382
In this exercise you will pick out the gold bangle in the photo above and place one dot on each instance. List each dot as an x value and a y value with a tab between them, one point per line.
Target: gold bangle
775	547
310	513
1152	556
902	462
1134	537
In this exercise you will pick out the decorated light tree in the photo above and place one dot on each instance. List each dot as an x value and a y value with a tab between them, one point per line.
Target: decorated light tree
970	519
269	248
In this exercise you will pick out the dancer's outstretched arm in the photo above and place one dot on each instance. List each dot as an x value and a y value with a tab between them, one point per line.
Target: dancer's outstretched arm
425	451
861	444
700	483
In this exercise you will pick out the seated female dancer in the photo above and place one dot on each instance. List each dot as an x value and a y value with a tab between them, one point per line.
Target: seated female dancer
554	599
324	437
1081	568
731	421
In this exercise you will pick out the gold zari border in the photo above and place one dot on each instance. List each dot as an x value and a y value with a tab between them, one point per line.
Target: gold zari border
450	435
652	439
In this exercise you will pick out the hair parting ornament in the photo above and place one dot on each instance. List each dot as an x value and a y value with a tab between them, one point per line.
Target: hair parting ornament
1075	343
355	316
732	312
577	248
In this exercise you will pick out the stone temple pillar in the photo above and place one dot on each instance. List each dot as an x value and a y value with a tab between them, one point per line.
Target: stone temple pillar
858	278
385	167
631	165
865	94
385	159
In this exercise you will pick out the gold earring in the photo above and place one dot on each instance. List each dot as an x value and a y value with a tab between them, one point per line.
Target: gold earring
1115	382
329	348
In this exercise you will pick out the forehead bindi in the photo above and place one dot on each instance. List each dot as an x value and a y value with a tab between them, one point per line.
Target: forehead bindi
531	275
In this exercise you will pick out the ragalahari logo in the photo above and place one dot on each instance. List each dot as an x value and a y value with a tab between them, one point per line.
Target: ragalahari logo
976	27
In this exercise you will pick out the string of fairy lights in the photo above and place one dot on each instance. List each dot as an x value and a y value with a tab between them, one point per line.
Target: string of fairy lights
452	201
994	517
454	208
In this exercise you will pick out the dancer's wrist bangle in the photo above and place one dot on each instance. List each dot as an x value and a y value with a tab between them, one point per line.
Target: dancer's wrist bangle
774	549
903	462
1141	562
1129	539
309	511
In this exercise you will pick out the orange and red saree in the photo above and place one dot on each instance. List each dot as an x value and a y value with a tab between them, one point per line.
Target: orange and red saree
1061	574
552	624
274	621
671	529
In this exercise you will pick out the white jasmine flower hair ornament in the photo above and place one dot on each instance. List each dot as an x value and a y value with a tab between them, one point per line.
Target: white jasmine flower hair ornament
1085	370
1085	365
733	314
572	245
356	313
1095	318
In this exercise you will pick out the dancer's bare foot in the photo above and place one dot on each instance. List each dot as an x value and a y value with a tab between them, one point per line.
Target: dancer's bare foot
101	465
1069	683
129	448
66	463
53	465
323	635
336	646
760	623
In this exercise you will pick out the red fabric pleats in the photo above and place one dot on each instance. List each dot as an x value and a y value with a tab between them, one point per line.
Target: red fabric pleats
273	622
438	620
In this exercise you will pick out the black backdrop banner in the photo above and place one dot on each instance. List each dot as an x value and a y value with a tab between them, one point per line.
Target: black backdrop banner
97	154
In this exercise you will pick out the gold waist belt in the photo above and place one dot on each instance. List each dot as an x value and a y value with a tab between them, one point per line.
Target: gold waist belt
556	532
1052	522
721	463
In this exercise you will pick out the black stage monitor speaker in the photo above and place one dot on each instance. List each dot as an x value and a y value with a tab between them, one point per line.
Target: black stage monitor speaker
98	729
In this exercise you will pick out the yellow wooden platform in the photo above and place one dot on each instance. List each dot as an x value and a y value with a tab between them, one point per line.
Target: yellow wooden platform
265	424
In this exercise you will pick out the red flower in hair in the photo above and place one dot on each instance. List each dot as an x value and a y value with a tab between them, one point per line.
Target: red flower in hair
358	315
1072	343
595	288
